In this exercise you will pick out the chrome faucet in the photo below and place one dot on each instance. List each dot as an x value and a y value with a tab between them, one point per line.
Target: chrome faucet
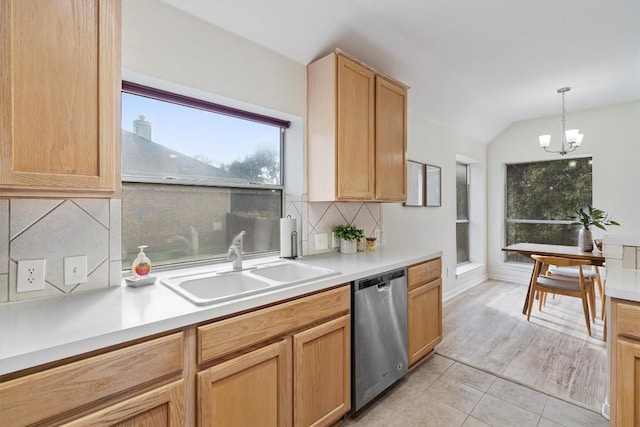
235	251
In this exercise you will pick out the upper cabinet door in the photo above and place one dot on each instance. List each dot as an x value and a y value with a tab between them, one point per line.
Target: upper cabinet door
356	147
391	140
60	111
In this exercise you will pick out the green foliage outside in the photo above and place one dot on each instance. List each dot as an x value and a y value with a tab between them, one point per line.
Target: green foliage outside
547	194
262	166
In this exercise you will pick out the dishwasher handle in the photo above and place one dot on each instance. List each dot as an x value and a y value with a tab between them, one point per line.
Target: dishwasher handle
382	281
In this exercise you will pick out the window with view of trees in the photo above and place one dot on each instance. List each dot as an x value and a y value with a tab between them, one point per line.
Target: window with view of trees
541	197
194	174
462	208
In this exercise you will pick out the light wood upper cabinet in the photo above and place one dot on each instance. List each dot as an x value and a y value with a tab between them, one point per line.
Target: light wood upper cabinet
356	132
355	149
391	141
60	97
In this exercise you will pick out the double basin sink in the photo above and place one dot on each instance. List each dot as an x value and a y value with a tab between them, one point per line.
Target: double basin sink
219	286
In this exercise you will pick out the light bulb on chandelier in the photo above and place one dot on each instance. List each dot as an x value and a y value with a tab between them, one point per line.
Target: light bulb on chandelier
570	139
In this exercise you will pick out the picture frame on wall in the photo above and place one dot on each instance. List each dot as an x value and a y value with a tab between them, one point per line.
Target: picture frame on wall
433	186
415	184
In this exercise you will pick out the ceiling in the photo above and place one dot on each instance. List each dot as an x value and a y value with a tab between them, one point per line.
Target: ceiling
474	66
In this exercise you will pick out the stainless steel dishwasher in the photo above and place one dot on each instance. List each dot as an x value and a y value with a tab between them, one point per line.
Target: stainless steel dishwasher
379	334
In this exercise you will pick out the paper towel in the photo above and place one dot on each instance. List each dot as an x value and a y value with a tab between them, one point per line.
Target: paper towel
287	248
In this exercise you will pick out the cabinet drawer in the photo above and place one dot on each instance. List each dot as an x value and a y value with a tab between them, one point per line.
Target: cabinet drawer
422	273
37	397
226	336
629	319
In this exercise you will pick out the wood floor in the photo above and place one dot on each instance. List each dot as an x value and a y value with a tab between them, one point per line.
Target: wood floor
485	328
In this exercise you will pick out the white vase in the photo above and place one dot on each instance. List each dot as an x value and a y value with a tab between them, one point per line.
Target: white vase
585	239
348	246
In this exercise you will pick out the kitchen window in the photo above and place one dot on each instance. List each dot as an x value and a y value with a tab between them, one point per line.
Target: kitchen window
194	174
540	199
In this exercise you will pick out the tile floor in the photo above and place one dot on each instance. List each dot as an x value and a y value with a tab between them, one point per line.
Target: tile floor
445	393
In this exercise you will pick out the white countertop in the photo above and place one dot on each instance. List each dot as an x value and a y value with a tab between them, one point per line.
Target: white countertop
44	330
622	254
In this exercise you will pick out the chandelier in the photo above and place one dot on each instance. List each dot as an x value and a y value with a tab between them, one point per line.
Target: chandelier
571	139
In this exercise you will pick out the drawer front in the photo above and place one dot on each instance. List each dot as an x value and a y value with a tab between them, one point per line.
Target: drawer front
37	397
422	273
629	320
229	335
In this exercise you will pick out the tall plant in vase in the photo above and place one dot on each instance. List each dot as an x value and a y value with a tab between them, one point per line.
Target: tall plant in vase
586	218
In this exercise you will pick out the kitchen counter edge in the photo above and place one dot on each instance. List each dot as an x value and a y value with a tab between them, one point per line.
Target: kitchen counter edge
45	330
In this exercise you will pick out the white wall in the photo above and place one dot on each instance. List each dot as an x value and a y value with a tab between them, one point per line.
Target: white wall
611	136
439	146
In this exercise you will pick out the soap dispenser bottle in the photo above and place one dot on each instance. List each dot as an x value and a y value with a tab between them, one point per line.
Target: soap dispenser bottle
141	265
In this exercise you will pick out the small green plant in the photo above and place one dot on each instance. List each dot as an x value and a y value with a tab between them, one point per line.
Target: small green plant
592	216
348	232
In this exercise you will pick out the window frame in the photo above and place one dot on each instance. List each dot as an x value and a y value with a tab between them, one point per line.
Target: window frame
507	220
468	214
182	100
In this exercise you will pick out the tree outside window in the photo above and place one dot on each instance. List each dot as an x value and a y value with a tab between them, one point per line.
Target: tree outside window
540	199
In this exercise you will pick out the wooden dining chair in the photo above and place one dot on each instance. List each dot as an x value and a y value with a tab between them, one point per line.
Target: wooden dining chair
574	287
592	276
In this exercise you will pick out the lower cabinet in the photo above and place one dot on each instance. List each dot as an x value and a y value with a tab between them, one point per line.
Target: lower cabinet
625	363
322	373
424	309
161	407
288	364
253	389
125	386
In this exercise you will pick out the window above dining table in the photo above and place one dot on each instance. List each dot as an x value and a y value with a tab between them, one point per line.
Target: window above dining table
540	199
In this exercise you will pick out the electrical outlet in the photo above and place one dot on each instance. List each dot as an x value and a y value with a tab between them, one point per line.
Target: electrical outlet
321	242
334	241
75	270
30	275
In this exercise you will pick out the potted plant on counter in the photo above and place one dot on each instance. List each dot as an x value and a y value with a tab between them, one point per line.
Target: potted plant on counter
348	235
586	218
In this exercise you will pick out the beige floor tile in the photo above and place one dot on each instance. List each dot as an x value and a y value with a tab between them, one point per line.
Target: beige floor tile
546	423
436	414
473	422
455	394
570	415
526	398
437	363
498	413
470	376
421	378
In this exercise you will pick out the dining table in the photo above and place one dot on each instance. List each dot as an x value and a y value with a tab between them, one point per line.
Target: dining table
596	258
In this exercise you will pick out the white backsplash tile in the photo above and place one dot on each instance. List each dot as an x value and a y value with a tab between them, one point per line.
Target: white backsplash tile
4	288
322	217
4	238
97	208
115	273
26	212
65	231
115	229
53	230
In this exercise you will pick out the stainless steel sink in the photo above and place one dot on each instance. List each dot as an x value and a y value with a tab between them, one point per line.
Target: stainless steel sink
213	287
